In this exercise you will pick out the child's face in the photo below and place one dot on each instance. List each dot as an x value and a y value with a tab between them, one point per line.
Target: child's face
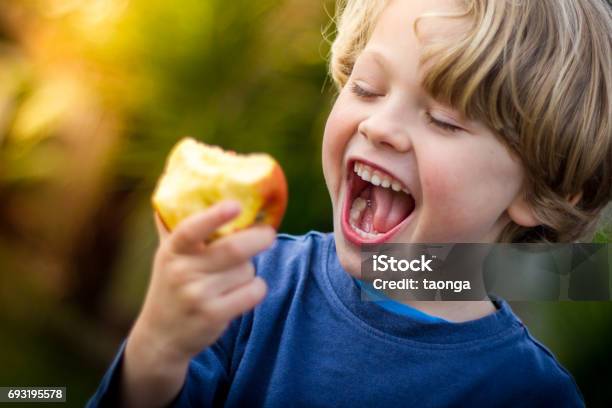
463	183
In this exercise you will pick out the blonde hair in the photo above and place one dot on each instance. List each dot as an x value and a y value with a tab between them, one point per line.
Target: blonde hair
539	74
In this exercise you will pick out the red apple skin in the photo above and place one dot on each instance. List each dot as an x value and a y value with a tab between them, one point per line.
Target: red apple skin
274	192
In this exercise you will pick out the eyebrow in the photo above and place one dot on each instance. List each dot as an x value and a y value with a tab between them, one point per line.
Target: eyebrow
377	56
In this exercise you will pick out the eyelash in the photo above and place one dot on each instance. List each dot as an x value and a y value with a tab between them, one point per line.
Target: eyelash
442	125
359	91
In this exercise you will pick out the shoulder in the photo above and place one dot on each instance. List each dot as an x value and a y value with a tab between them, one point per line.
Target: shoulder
535	371
292	258
292	251
312	240
288	267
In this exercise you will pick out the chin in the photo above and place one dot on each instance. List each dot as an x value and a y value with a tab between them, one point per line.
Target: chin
349	255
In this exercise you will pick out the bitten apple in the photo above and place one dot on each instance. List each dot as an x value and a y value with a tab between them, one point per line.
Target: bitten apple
198	175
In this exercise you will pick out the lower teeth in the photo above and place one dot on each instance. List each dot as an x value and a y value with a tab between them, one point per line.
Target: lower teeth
359	205
362	233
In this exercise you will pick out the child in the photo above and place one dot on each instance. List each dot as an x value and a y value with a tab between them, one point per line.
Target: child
470	121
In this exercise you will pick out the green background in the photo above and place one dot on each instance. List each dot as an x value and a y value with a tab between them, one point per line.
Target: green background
92	96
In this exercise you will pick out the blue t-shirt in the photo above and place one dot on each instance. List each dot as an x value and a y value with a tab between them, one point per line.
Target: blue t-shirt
314	343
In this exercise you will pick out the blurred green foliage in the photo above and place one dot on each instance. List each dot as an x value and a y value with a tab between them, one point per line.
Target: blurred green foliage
92	96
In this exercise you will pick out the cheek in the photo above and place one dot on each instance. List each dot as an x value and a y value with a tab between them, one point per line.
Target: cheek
469	189
332	144
444	192
339	128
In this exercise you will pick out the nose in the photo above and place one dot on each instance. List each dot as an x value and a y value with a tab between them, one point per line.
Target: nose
387	127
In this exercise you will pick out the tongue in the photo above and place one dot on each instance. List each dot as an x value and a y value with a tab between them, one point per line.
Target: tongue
391	208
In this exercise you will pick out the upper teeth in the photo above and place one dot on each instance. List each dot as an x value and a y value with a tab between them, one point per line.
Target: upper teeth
378	178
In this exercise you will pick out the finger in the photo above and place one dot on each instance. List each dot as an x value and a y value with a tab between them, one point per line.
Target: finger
237	248
194	230
162	231
239	300
220	283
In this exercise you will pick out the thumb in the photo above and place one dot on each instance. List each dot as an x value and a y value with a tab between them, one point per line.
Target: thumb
162	231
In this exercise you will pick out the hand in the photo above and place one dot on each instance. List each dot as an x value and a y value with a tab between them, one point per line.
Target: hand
196	290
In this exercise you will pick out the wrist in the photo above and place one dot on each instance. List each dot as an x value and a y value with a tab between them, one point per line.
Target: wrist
154	353
151	377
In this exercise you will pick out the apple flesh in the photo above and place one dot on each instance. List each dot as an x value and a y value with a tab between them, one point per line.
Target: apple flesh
199	175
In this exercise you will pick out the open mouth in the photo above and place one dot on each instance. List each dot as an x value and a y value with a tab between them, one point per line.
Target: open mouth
377	205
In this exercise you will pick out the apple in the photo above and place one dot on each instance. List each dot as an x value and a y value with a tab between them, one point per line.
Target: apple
198	175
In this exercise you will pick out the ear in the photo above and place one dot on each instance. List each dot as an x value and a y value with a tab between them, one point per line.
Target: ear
521	212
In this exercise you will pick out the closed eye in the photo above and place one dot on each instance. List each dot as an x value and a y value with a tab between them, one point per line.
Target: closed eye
442	125
361	92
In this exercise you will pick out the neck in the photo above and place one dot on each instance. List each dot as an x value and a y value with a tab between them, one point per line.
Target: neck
454	311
